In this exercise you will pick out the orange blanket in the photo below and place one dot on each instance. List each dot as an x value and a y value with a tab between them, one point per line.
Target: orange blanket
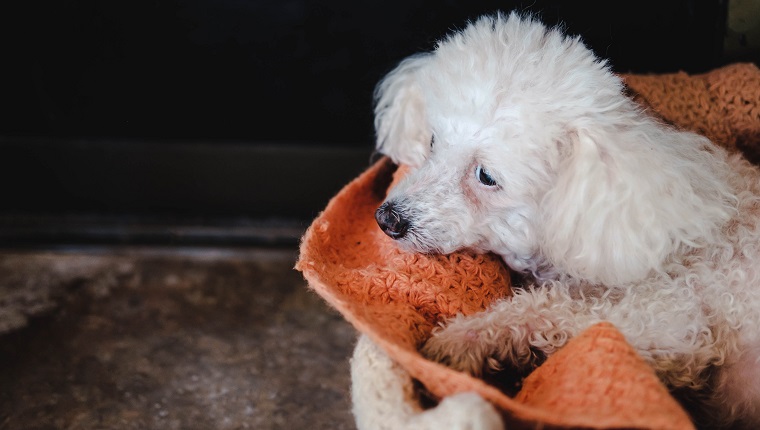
396	298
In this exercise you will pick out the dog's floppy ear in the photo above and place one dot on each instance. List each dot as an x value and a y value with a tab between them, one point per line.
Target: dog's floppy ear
627	197
402	128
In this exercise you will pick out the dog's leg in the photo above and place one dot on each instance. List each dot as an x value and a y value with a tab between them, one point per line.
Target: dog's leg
515	331
665	325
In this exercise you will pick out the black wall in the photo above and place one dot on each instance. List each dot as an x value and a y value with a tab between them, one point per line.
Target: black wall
242	108
295	70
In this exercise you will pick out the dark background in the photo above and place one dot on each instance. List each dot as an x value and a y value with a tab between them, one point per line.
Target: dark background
279	70
230	112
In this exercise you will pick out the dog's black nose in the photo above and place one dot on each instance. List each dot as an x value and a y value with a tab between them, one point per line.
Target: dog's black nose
390	221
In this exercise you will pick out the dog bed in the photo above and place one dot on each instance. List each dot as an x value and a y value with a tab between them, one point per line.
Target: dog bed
396	298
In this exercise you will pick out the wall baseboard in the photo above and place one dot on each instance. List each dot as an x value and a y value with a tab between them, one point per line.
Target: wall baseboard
167	192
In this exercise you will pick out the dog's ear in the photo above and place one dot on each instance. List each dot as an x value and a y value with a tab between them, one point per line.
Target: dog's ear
625	200
402	128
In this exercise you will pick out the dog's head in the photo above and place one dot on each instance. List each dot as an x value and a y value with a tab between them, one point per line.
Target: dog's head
524	144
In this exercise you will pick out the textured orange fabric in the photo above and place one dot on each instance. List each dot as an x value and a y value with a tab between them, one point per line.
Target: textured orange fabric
723	105
396	298
600	368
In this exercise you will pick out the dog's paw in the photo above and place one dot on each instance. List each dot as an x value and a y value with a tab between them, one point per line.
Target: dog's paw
462	347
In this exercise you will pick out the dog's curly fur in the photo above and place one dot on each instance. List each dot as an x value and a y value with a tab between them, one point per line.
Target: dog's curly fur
524	144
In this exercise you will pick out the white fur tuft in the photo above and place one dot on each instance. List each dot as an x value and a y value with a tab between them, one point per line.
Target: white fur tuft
627	198
400	123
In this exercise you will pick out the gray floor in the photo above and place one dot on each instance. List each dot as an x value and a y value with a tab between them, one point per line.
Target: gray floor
149	338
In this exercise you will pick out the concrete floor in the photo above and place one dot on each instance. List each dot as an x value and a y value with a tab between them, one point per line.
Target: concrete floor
151	338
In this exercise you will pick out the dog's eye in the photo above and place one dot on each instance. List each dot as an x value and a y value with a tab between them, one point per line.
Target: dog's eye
484	177
432	141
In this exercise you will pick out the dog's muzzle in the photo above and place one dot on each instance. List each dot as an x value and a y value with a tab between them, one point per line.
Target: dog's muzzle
390	220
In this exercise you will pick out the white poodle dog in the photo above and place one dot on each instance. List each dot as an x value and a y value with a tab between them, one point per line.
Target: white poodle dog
524	144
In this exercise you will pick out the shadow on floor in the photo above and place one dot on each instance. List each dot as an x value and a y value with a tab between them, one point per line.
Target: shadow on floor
168	339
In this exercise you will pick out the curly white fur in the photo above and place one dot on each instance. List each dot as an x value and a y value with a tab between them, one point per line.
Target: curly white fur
525	145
